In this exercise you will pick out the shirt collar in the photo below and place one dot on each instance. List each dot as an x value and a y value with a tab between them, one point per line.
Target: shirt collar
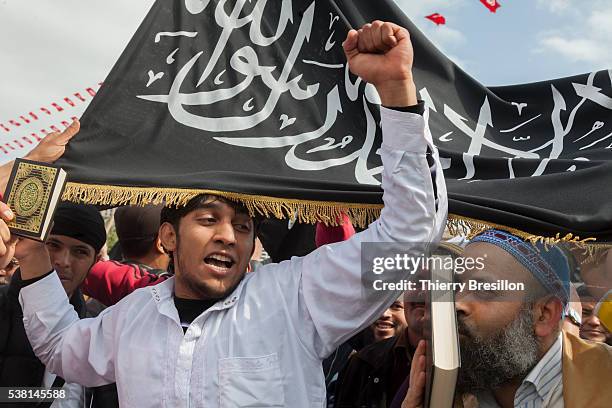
163	293
540	381
544	376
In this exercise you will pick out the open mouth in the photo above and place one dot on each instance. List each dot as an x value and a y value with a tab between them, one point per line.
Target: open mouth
384	326
219	262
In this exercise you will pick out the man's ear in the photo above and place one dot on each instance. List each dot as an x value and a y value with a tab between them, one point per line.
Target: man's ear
167	237
547	314
159	247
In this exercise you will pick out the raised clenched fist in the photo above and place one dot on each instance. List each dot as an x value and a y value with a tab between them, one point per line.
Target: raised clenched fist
381	54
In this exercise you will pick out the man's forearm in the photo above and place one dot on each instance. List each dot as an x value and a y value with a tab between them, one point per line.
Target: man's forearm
397	93
34	261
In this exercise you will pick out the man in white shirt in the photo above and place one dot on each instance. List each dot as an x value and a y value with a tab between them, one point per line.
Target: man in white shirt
214	336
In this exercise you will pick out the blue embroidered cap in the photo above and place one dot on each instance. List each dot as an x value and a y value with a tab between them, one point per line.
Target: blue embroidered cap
548	264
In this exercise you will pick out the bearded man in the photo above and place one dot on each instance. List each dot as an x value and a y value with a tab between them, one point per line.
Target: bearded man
513	352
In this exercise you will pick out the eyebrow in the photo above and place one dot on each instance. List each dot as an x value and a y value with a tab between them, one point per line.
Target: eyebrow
82	247
57	241
215	205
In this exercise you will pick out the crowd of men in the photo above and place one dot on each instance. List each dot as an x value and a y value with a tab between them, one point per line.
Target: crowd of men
186	313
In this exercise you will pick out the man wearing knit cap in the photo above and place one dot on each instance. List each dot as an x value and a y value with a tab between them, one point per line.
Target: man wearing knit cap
74	245
513	353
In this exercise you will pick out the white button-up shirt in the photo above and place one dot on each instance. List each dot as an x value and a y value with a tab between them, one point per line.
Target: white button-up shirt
262	345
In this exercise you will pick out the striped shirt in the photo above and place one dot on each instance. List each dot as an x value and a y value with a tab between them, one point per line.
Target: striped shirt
543	386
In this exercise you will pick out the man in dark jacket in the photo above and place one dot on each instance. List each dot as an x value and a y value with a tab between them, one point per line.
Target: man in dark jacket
74	246
373	376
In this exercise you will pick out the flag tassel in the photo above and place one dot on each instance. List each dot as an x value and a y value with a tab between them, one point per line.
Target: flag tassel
304	211
470	227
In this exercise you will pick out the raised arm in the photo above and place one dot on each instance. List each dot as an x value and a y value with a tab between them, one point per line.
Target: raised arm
331	303
48	150
79	351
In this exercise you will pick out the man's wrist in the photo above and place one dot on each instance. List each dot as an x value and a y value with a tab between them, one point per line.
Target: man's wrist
36	263
397	93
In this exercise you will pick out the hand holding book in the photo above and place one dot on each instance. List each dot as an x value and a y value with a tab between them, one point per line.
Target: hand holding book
416	390
7	241
32	255
48	150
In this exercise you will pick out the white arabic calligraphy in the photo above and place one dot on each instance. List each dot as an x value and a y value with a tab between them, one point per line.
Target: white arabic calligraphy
595	142
520	107
597	125
286	121
170	58
159	35
246	62
520	125
520	139
279	80
445	137
153	77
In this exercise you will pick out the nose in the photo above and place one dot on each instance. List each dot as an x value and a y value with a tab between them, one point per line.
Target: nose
225	233
461	306
592	321
61	259
386	315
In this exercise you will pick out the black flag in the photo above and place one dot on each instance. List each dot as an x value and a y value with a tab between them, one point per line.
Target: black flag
253	100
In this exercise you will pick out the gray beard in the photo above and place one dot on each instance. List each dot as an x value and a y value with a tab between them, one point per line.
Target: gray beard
510	354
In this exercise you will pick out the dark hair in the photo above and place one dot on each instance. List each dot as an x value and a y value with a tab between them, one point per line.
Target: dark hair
583	292
173	215
137	248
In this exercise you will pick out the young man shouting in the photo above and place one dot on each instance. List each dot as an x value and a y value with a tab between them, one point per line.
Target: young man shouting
215	336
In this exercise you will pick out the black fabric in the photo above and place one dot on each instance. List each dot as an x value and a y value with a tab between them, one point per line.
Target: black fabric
189	309
283	239
419	108
105	396
332	366
368	378
524	156
80	222
25	282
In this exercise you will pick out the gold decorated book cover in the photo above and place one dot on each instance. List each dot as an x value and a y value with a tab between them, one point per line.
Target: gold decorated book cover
33	191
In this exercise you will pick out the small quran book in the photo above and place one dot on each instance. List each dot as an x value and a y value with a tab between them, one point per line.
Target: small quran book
33	192
440	331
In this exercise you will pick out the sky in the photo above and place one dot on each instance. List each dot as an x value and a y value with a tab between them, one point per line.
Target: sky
54	49
524	41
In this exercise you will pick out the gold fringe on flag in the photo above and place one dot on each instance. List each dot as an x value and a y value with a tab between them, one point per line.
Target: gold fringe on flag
303	211
470	227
